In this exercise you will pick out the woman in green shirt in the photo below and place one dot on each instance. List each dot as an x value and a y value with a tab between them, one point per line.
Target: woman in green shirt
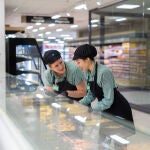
63	77
100	85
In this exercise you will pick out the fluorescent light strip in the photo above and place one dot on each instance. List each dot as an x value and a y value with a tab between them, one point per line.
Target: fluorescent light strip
94	25
74	26
56	16
127	6
121	19
82	6
34	30
51	25
38	23
29	27
52	38
58	30
47	33
41	28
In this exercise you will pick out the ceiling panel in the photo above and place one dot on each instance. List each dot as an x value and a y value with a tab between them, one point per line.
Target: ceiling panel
14	9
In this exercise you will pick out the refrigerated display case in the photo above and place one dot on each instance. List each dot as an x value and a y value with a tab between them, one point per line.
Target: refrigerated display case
56	122
24	59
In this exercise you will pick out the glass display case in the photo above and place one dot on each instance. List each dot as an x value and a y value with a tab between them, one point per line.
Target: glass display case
24	59
55	122
123	35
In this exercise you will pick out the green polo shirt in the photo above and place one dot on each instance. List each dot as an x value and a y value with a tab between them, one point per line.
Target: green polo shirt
73	75
105	80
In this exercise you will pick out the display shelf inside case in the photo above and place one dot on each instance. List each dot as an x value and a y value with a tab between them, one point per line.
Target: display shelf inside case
23	57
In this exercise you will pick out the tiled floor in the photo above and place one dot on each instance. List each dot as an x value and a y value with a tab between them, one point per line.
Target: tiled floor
141	119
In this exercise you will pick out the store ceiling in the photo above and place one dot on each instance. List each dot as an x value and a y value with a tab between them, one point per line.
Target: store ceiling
142	10
14	9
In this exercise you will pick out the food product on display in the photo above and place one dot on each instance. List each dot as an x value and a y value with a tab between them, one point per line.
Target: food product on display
114	127
27	100
96	121
73	108
62	125
45	112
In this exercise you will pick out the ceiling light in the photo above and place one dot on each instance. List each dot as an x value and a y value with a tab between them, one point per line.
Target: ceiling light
56	16
38	23
41	28
47	32
121	19
51	25
58	30
81	6
94	25
127	6
74	26
98	2
148	8
65	35
34	30
41	34
29	27
68	14
51	37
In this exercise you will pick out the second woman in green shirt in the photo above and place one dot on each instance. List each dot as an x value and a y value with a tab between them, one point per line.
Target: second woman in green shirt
102	93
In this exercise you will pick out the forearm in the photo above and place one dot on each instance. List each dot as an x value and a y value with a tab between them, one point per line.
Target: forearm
76	93
103	105
79	92
87	99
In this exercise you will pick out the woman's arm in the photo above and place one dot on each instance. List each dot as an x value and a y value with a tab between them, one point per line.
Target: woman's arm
107	81
80	92
88	98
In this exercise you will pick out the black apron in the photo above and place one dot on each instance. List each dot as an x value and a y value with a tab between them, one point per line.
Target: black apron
64	86
120	106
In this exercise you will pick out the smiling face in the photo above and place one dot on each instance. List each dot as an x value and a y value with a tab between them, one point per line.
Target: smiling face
83	64
58	67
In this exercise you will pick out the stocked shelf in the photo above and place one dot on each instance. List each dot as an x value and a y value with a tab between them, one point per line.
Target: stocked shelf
129	62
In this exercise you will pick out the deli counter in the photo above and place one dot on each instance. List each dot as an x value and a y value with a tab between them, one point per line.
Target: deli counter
53	122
